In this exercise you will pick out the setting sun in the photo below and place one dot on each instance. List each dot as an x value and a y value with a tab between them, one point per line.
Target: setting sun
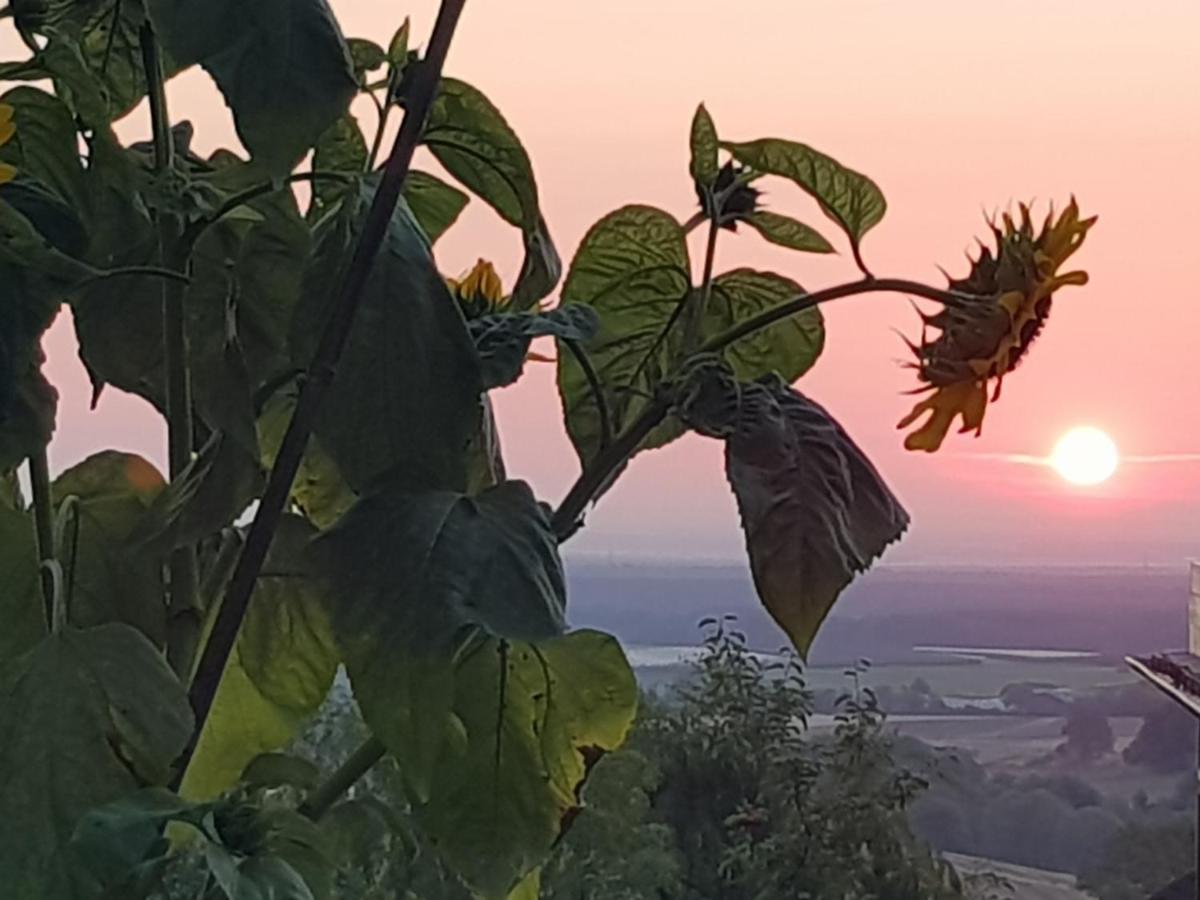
1085	456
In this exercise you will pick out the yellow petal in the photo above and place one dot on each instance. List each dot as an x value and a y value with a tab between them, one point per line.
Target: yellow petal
7	173
967	400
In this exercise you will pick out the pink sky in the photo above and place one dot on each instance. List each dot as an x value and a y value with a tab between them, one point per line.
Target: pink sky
955	109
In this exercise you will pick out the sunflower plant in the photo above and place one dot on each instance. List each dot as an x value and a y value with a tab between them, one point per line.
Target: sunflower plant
280	306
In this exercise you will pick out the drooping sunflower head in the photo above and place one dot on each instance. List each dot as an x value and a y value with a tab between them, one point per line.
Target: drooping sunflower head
1006	299
7	129
479	292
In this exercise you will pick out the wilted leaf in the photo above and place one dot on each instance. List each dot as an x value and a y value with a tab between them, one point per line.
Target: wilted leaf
282	65
788	348
502	339
814	510
86	718
849	198
469	136
279	673
704	148
632	268
405	398
434	204
105	579
536	717
485	457
787	232
415	574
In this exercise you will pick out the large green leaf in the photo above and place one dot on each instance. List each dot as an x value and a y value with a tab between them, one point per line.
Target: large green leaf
279	673
45	144
404	401
340	149
22	609
814	510
469	136
632	268
105	578
535	717
851	199
282	65
788	348
86	717
412	576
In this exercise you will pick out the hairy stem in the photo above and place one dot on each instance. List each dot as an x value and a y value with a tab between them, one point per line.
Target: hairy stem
183	616
43	522
355	767
698	305
228	620
596	476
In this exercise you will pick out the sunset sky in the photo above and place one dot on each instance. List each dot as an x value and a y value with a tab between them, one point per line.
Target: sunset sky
957	110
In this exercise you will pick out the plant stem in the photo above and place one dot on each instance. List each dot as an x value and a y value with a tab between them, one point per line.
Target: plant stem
596	476
320	376
183	617
43	521
355	767
697	306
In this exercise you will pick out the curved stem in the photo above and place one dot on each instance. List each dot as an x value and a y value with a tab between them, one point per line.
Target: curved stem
136	271
344	308
598	475
43	521
597	389
355	767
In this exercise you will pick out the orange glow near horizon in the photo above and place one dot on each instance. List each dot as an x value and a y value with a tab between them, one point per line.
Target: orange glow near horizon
957	111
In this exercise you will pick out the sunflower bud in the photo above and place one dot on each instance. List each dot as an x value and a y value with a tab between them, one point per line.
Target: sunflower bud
479	292
7	129
1006	302
729	197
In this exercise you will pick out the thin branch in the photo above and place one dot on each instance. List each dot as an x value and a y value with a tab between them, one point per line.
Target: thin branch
355	767
320	376
697	306
597	389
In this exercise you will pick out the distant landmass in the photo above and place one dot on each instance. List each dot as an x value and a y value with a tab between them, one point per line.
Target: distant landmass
890	612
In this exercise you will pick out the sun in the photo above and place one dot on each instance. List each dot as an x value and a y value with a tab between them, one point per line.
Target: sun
1085	456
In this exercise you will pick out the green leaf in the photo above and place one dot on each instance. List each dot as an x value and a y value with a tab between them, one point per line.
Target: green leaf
279	673
397	51
105	578
632	268
435	204
502	339
45	144
814	510
85	718
468	135
704	145
416	573
209	494
272	770
318	490
366	56
789	348
536	716
341	149
849	198
787	232
27	419
405	398
22	609
282	65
